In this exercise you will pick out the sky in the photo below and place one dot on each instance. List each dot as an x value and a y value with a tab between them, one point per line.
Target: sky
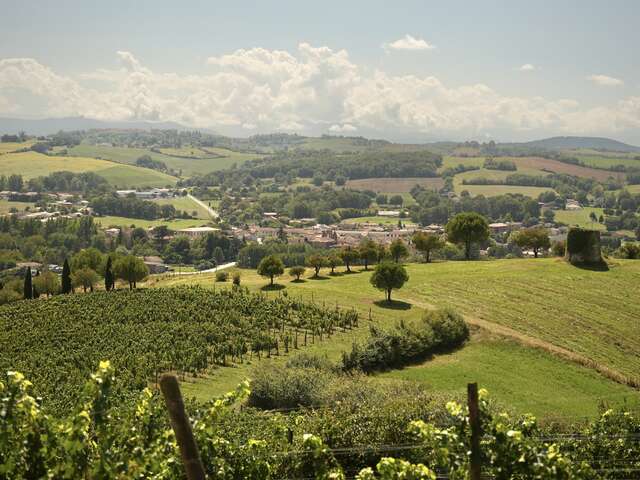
405	71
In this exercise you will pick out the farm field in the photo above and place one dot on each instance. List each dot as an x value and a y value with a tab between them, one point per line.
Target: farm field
6	206
33	164
605	161
493	190
580	218
516	294
216	159
8	147
501	365
184	204
394	185
177	224
380	220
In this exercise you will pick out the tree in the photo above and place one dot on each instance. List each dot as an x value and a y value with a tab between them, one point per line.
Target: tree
316	261
333	260
270	266
297	272
130	269
426	243
28	285
533	238
368	252
593	217
467	228
388	276
396	200
88	258
47	283
548	215
348	256
66	277
108	276
85	278
398	250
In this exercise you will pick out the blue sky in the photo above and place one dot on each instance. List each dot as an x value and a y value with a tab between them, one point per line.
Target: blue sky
401	70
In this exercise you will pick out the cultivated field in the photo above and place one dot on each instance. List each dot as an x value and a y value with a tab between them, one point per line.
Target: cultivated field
394	185
8	147
33	164
7	206
580	218
547	307
560	167
108	221
185	204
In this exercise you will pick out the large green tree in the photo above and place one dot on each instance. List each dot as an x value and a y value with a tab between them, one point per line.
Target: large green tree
388	276
66	277
348	256
271	266
109	281
426	243
467	228
316	261
398	250
28	284
534	238
130	269
368	252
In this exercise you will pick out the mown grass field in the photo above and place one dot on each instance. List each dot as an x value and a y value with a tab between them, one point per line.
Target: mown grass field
499	175
8	147
6	206
605	161
212	159
380	220
177	224
33	164
580	218
394	185
184	204
588	312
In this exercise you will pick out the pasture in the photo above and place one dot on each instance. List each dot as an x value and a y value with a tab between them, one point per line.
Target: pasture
33	164
580	218
177	224
7	207
185	204
394	185
543	305
8	147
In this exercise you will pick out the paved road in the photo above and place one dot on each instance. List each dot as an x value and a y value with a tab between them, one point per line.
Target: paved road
210	210
211	270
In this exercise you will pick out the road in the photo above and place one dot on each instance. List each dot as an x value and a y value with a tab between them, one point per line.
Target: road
209	210
224	266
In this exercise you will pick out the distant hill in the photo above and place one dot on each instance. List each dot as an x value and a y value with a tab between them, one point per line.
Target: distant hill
597	143
48	126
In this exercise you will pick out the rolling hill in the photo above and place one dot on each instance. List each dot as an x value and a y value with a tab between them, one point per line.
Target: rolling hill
597	143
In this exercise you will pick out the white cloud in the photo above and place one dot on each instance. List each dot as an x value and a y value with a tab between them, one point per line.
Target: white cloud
409	42
527	67
344	128
605	80
310	90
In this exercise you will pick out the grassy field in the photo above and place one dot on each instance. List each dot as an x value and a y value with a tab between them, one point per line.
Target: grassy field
499	175
33	164
177	224
185	204
580	218
8	147
394	185
6	206
216	158
380	220
605	161
546	299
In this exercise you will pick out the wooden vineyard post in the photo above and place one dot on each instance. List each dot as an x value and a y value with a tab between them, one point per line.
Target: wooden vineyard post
474	423
182	428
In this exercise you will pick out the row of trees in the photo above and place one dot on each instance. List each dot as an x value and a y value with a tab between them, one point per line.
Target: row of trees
85	271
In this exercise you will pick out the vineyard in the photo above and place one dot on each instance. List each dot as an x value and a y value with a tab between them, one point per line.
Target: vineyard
189	330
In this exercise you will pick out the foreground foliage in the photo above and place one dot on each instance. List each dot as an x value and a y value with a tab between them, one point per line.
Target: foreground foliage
99	440
57	342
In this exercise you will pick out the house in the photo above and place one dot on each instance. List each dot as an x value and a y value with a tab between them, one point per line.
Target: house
499	227
155	264
197	232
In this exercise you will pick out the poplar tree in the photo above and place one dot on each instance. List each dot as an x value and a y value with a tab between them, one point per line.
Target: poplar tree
66	277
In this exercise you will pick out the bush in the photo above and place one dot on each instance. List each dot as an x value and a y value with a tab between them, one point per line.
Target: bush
236	279
206	265
222	276
308	360
558	248
630	251
408	342
281	387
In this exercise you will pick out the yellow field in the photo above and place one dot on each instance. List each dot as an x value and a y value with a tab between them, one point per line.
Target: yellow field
7	147
33	164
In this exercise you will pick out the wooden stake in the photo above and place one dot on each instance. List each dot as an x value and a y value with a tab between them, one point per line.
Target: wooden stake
182	428
474	423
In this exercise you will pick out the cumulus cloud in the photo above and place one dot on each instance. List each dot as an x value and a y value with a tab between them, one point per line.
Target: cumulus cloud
344	128
310	90
605	80
409	42
527	67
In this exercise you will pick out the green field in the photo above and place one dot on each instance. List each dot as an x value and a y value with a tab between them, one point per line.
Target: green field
185	204
580	218
213	158
33	164
6	206
178	224
379	220
602	161
8	147
494	190
557	305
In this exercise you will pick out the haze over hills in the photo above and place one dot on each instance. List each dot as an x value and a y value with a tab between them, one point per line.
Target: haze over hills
598	143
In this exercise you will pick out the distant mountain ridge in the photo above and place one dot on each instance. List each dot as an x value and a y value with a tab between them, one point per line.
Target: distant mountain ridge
597	143
47	126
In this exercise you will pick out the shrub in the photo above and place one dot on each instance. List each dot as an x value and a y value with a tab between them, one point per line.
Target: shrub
236	279
408	342
281	387
206	265
222	276
629	250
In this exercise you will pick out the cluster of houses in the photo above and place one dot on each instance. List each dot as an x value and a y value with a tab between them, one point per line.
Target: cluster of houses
148	194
